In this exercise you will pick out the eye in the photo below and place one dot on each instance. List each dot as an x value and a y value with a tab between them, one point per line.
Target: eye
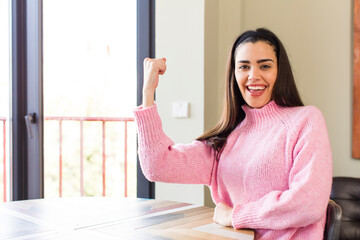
244	67
265	66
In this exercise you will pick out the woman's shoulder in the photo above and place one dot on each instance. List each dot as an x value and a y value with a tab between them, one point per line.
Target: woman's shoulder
303	114
307	110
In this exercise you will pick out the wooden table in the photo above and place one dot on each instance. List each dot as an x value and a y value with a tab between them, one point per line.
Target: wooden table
111	218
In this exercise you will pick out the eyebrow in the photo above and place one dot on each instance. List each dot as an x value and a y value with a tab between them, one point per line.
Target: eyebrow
258	61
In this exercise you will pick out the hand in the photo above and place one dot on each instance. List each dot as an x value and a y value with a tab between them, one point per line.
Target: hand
222	214
152	69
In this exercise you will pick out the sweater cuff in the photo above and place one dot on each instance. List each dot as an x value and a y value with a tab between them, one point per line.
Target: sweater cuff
149	123
246	216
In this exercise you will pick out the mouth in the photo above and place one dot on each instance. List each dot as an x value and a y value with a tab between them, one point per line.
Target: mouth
256	90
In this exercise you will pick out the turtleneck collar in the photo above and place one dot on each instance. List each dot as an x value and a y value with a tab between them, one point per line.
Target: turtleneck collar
264	116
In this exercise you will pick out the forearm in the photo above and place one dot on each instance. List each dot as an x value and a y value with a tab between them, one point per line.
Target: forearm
152	69
281	210
148	98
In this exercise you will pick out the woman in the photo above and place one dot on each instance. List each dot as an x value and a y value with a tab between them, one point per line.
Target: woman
267	162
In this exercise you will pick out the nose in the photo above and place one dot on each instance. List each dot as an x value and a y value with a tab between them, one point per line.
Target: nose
254	74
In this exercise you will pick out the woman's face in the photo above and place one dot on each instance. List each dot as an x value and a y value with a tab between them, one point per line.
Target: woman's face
255	72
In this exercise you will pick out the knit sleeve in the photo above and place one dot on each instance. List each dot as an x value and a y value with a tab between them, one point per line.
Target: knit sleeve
310	180
161	160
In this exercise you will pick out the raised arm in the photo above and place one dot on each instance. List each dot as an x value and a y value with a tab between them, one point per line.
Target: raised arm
160	159
163	161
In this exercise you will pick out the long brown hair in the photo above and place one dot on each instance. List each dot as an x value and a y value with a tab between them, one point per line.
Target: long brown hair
284	92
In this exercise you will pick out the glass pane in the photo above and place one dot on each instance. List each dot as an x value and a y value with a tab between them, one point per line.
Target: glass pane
4	96
89	94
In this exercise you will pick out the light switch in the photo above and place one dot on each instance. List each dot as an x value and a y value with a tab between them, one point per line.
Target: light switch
180	109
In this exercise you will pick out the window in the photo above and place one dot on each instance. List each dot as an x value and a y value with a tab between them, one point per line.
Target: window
31	42
89	93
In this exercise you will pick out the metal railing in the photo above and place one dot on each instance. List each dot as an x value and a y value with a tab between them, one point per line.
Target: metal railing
81	120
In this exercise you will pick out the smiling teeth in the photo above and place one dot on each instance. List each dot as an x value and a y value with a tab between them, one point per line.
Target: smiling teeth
256	87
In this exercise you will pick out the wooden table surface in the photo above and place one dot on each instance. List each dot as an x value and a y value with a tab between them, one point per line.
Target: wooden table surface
111	218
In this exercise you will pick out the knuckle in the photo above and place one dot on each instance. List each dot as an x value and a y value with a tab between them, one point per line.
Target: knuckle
148	60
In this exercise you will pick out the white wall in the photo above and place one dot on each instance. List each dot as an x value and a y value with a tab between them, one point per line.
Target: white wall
180	38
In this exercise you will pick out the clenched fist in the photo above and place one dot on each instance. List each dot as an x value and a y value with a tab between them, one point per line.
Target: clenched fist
152	69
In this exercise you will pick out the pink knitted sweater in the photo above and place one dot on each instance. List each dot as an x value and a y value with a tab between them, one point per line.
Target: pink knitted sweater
275	170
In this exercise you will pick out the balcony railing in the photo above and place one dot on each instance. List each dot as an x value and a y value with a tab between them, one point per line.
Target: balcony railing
81	120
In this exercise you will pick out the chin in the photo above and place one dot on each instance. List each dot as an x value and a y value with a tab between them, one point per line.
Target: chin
257	104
